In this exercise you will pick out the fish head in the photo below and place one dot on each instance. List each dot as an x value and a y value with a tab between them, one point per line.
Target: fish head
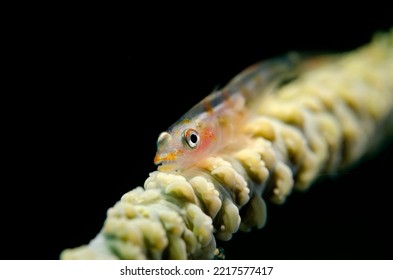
183	145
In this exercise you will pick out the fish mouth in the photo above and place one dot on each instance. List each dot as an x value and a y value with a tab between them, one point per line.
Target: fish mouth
165	158
167	162
164	165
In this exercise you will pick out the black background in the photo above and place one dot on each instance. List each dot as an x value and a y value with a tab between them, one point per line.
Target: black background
89	100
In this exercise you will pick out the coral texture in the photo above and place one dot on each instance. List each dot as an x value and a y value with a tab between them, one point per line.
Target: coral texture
323	121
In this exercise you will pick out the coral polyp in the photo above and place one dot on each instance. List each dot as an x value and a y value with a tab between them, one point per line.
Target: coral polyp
274	128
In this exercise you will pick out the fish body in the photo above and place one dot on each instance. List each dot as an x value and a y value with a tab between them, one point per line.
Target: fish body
213	125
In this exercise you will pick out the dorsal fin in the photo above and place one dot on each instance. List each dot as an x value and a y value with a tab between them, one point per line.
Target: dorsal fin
260	78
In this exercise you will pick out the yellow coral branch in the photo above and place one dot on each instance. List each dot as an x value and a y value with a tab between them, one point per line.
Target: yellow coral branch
325	120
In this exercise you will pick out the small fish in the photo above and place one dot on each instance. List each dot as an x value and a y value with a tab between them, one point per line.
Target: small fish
211	126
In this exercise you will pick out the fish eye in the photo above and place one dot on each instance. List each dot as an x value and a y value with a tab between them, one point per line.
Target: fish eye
191	138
